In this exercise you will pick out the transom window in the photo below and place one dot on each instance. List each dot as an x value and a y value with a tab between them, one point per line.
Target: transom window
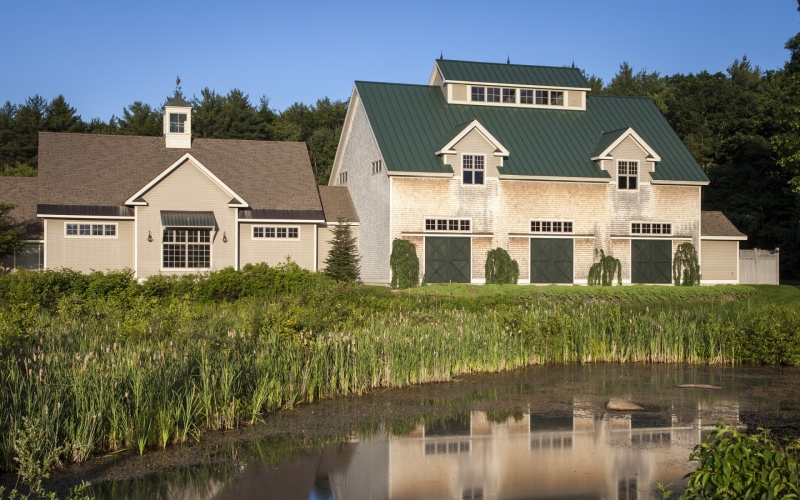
651	228
377	166
478	94
77	229
452	225
628	174
176	121
510	95
493	94
187	248
551	226
472	167
526	96
276	232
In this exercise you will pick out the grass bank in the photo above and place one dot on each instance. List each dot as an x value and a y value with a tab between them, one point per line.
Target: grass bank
100	363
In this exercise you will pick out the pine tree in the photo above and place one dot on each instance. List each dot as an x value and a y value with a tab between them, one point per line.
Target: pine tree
342	261
12	235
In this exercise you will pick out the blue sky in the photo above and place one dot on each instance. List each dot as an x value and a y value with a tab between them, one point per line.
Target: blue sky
104	55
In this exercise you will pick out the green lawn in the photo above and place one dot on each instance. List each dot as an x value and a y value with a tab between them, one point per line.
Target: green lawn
778	294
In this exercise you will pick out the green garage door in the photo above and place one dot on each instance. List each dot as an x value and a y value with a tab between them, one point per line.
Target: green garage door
551	260
447	260
651	261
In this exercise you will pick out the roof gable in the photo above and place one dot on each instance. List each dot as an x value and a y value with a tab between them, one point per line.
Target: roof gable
512	74
461	131
137	198
610	140
411	121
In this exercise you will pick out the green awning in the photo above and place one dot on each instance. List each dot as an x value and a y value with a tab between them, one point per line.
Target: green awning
188	219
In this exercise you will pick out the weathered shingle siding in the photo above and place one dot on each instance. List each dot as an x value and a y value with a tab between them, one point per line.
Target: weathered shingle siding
370	194
90	253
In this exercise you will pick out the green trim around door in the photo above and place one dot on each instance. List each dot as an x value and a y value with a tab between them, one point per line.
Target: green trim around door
552	260
651	261
448	260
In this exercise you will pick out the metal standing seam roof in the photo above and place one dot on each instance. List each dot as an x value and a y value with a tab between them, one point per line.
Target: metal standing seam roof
411	121
187	219
513	74
606	140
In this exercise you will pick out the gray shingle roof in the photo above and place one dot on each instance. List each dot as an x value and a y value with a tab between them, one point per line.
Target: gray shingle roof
716	224
513	74
411	121
85	169
23	192
335	201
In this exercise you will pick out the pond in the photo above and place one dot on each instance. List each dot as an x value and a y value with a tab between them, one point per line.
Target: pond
538	433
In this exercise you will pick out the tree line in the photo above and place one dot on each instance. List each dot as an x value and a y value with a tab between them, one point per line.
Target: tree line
217	116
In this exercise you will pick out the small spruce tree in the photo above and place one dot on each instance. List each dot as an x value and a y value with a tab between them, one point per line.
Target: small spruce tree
342	261
404	264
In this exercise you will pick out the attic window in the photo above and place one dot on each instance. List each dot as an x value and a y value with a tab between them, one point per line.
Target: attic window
556	98
542	97
627	174
472	167
510	95
492	94
176	121
526	96
478	94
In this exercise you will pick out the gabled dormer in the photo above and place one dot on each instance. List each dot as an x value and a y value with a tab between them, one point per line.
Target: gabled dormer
178	121
627	157
510	85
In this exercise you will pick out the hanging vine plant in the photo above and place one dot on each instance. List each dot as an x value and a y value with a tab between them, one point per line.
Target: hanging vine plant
685	266
602	272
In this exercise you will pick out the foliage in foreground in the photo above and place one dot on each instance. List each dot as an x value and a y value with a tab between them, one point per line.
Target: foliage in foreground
500	268
685	266
602	272
734	465
404	264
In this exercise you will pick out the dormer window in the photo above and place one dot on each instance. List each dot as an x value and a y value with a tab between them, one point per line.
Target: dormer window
526	96
493	94
628	174
478	94
556	98
176	121
509	95
472	167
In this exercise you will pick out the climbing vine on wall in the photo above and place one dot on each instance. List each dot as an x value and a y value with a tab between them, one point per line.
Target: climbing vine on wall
602	272
500	268
685	265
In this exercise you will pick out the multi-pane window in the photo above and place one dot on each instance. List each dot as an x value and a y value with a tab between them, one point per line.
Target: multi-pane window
343	178
176	121
556	98
551	226
542	97
452	225
473	167
77	229
276	232
526	96
628	173
510	95
377	166
187	248
492	94
478	94
651	228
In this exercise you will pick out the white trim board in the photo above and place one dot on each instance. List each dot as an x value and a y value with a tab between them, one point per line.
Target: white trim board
553	178
281	221
447	149
514	85
403	173
723	238
629	132
183	159
677	183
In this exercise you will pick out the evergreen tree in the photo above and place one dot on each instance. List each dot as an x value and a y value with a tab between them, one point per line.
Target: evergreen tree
140	119
11	234
342	261
60	117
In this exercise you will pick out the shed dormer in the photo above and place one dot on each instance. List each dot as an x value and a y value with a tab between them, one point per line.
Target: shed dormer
178	122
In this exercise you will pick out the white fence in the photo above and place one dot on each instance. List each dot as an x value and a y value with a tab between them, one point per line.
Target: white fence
759	267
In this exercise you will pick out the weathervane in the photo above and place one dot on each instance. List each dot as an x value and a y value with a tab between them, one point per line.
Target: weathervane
178	85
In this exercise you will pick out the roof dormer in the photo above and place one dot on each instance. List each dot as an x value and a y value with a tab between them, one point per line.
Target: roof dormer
178	120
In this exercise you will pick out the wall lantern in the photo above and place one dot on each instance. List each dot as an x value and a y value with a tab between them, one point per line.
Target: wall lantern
149	236
224	237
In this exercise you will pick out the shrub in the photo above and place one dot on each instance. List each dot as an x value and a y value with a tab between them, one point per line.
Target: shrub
602	272
501	269
404	264
685	266
735	465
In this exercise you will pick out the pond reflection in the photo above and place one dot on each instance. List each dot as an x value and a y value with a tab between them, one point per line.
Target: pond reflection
588	453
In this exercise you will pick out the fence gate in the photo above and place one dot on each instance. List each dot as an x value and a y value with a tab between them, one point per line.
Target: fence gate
759	267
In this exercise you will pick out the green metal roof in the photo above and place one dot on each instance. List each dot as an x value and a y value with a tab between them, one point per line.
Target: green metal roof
606	139
188	219
452	135
177	100
411	122
513	74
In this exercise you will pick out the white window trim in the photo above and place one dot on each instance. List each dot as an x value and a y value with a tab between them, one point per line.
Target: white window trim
650	235
638	174
447	231
90	236
571	233
254	238
212	236
518	97
485	168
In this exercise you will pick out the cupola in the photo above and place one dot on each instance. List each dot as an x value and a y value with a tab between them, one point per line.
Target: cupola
178	120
